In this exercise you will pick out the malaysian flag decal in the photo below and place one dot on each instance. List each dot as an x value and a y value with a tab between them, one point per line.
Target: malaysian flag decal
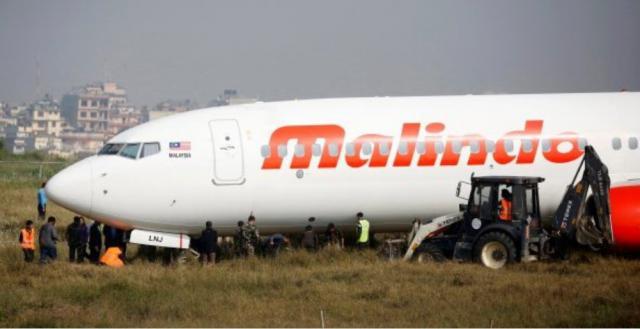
180	146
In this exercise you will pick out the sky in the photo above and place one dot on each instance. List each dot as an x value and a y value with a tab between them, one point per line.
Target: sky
278	50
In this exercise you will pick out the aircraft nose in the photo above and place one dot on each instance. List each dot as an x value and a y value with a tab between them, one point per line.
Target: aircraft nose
71	187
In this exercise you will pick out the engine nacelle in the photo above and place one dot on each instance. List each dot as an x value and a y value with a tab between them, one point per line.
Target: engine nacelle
625	216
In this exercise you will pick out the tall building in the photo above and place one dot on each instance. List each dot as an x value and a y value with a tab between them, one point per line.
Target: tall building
88	109
45	117
123	117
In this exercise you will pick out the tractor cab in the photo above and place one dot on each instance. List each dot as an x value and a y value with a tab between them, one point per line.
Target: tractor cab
501	218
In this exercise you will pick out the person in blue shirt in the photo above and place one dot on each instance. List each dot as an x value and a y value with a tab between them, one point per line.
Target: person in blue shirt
42	202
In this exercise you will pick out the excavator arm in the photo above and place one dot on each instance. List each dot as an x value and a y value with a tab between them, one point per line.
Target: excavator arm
590	225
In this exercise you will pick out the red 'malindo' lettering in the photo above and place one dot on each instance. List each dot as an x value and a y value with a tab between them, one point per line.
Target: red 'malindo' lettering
556	156
409	136
430	155
531	128
562	148
307	136
451	156
378	159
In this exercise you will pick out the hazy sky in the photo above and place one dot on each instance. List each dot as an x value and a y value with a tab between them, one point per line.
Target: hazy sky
278	50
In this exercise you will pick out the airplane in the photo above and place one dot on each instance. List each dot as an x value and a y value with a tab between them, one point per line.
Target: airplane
312	162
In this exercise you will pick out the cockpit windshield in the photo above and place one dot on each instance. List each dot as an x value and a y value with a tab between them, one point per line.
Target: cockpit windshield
110	149
130	151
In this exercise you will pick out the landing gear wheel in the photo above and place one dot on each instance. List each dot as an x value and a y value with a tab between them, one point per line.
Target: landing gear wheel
495	250
429	253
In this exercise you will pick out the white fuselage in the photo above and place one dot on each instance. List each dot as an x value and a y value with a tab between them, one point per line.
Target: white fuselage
223	164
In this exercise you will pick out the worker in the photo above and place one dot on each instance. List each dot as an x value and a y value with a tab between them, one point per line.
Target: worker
362	231
27	241
275	243
121	241
208	244
109	236
333	237
252	235
42	202
505	205
95	242
309	239
73	236
48	238
239	240
415	226
84	240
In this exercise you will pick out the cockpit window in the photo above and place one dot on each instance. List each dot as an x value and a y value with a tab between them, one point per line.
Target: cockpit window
110	149
130	151
149	149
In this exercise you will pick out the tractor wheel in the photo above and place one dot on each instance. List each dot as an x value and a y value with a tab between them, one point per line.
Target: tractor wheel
430	253
495	250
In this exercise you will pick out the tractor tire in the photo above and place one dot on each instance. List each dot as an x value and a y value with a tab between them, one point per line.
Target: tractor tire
429	253
495	250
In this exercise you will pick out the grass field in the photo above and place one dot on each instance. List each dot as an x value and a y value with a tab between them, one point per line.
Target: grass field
351	289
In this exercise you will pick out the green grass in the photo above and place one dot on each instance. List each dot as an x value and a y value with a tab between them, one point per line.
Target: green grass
351	289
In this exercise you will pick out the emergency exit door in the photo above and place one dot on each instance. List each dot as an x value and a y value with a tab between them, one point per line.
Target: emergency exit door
228	158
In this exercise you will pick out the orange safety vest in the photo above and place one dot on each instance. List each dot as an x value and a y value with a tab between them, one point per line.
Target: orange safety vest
111	257
505	209
28	239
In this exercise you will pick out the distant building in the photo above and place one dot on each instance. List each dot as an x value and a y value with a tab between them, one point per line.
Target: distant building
170	107
231	97
88	109
18	112
82	143
123	117
18	140
36	128
45	118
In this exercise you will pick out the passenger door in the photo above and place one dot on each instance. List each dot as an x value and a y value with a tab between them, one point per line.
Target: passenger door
228	157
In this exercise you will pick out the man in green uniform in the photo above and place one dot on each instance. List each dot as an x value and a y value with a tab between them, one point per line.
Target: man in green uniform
362	232
252	236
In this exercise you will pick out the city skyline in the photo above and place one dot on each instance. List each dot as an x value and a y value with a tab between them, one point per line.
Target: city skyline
162	50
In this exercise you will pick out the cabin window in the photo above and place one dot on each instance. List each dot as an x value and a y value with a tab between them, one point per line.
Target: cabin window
282	150
490	146
366	148
457	146
439	147
265	151
351	149
333	149
421	148
633	143
384	148
149	149
527	145
616	143
546	145
110	149
508	145
403	148
130	151
316	150
474	145
582	143
299	150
